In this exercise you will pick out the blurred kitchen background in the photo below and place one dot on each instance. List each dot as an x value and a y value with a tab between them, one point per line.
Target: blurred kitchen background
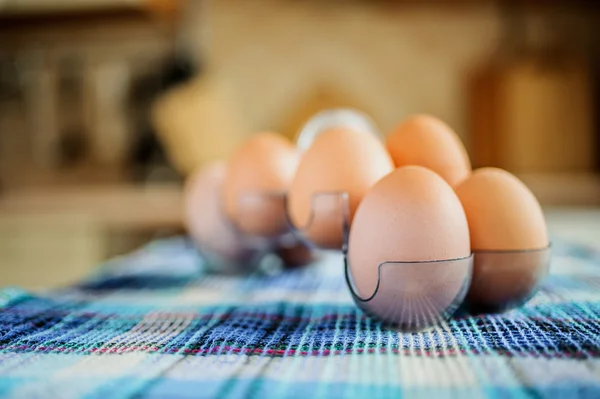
105	105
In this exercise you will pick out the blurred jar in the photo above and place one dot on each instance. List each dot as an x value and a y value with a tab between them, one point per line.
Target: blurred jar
198	123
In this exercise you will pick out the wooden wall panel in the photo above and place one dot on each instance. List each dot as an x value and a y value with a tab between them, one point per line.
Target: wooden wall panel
394	62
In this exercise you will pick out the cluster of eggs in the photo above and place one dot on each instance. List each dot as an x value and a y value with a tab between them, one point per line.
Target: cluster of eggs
419	229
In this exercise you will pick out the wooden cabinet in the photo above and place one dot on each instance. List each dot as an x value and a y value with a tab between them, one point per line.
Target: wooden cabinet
531	117
54	237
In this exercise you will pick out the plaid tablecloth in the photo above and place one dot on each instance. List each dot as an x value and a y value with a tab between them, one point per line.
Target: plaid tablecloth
153	324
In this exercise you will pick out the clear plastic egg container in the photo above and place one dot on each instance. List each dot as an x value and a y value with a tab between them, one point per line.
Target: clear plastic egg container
266	250
504	280
278	237
420	294
409	295
415	295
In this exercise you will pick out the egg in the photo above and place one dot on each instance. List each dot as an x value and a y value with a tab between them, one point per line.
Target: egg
340	160
414	217
503	213
427	141
508	236
203	217
258	175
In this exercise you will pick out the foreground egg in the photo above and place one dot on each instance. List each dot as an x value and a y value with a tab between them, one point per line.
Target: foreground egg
427	141
508	237
204	220
409	256
340	165
258	175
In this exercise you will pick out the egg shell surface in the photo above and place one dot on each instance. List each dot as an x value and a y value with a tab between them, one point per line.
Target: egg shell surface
339	160
427	141
203	215
264	166
503	213
411	215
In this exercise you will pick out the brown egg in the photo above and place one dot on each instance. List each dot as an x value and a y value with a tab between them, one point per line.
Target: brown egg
258	175
338	161
508	236
203	216
427	141
503	214
411	215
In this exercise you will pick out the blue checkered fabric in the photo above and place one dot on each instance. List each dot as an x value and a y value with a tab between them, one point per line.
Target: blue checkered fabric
155	324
